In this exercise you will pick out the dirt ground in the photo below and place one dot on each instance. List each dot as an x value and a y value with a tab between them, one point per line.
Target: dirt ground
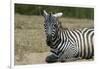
32	58
30	45
38	58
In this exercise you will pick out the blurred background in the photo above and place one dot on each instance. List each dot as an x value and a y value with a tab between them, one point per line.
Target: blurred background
29	34
75	12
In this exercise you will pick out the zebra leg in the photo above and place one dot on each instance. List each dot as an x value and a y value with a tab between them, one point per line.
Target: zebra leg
51	58
75	59
71	59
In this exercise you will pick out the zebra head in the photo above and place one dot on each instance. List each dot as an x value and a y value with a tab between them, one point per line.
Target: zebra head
51	24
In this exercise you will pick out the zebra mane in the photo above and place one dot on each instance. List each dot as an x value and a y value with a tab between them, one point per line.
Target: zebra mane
61	27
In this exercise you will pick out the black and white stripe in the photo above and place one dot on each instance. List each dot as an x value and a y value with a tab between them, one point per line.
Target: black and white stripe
68	44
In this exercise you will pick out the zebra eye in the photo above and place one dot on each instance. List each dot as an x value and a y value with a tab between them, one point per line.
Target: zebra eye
54	25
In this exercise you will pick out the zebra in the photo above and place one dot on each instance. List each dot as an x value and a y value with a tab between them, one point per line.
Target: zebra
66	44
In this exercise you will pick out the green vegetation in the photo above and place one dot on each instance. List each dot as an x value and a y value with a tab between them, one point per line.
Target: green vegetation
73	12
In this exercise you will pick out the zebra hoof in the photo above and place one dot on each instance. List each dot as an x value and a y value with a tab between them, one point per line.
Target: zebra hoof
51	59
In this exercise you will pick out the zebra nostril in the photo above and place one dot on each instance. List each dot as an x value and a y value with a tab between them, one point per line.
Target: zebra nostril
49	37
49	43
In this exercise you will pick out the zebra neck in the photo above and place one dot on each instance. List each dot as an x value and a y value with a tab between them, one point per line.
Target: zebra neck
56	39
56	35
69	35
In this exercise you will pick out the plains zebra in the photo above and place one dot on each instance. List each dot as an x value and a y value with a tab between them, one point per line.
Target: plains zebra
65	44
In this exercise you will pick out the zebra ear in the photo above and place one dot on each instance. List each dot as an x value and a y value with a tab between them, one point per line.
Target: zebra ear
45	13
58	14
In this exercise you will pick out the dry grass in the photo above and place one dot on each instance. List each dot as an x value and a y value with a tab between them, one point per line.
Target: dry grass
30	35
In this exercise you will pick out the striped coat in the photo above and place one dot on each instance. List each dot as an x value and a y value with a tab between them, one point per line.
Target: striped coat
67	45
